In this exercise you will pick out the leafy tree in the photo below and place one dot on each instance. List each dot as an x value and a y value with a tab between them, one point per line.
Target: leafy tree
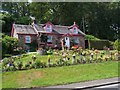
8	44
98	19
117	44
6	20
43	38
90	37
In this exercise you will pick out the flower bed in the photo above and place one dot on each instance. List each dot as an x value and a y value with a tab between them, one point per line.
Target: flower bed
58	58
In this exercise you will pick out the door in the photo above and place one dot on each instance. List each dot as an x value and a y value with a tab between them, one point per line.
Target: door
67	42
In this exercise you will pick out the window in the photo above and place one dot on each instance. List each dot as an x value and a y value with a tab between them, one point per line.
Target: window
48	28
27	39
75	30
49	39
76	39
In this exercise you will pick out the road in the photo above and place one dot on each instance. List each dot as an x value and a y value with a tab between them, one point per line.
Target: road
105	87
110	86
95	84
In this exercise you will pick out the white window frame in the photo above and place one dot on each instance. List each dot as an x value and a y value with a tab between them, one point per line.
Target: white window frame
49	38
27	39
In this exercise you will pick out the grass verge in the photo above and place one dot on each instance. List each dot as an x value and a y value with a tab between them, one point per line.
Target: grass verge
59	75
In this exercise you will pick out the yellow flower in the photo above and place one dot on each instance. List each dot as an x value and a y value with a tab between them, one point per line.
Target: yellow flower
48	56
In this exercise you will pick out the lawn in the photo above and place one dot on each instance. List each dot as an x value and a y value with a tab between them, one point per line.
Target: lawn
59	75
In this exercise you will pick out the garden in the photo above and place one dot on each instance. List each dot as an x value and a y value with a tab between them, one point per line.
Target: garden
33	70
58	58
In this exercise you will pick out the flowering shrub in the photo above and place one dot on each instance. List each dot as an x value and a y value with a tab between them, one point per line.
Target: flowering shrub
19	65
64	58
27	66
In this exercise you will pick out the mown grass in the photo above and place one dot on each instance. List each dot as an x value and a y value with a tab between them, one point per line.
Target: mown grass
59	75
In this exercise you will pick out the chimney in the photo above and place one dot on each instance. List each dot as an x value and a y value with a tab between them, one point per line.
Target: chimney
33	20
74	23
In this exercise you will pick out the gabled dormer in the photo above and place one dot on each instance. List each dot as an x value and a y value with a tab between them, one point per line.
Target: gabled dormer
48	27
74	28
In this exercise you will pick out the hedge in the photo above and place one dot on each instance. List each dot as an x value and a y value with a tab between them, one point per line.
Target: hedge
98	44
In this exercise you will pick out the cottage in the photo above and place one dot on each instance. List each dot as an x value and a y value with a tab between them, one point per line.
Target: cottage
57	35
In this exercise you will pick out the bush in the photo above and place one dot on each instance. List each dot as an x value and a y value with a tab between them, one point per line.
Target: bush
5	61
12	68
27	66
8	43
53	65
39	64
66	63
19	65
24	55
117	45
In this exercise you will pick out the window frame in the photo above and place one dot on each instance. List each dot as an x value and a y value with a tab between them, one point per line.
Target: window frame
27	40
75	31
48	28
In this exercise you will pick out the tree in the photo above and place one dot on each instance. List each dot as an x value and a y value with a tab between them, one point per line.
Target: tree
14	12
6	20
100	19
8	44
117	44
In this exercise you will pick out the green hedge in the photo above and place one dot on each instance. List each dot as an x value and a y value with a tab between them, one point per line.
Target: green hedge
98	44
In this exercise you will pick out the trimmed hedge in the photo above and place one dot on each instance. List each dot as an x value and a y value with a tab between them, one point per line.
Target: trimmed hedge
98	44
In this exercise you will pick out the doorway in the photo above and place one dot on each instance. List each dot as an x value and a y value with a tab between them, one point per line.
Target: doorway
67	42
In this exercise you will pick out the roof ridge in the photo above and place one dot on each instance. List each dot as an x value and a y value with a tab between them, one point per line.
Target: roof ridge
22	24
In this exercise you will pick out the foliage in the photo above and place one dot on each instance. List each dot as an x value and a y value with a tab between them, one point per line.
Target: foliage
91	37
8	44
43	38
96	21
42	61
27	66
19	65
33	46
24	20
38	64
117	44
99	44
5	62
6	21
12	68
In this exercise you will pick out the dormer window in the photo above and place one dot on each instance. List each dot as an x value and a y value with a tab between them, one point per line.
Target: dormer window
48	28
75	30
